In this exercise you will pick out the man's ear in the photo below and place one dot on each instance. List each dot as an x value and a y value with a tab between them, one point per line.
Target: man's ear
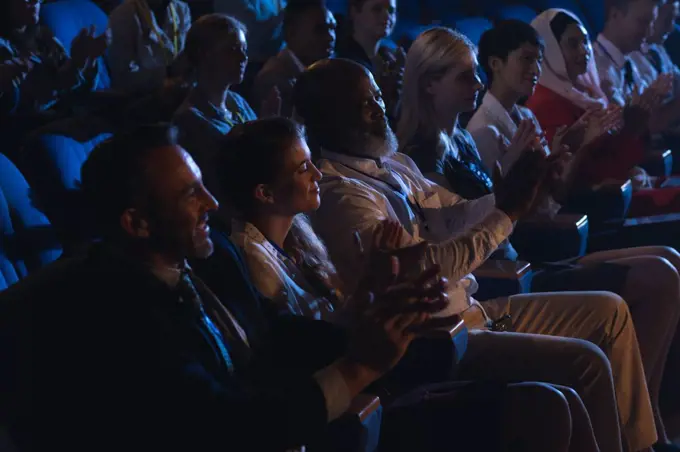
264	194
134	224
495	63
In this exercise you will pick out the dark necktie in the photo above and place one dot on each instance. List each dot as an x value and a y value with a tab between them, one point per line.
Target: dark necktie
628	78
189	294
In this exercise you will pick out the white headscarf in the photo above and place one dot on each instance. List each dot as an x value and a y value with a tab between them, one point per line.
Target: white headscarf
554	75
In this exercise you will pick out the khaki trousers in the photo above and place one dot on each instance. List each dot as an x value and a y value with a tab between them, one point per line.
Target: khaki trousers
570	339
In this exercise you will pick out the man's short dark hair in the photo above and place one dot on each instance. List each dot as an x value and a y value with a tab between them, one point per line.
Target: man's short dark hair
296	9
506	37
114	176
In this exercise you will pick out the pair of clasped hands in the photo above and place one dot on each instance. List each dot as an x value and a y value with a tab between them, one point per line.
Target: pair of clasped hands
86	48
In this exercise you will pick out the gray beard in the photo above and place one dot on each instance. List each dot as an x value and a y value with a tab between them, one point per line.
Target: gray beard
373	147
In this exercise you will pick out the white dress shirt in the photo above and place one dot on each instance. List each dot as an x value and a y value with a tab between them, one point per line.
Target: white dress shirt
276	276
492	123
357	194
610	67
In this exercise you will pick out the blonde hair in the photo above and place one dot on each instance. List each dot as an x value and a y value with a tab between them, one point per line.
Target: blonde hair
432	54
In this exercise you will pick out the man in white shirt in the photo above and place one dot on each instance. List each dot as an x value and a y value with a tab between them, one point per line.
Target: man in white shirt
627	26
366	181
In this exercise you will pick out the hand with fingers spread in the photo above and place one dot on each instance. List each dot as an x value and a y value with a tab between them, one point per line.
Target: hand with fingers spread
271	105
517	190
385	251
526	137
389	320
14	69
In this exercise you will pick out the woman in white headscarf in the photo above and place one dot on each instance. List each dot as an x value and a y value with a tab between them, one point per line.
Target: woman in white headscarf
568	87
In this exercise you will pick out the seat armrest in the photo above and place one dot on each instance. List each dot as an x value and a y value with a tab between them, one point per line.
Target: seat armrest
659	163
552	239
356	430
606	204
363	406
500	278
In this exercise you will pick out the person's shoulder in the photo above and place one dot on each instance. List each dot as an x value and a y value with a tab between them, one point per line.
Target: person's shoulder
242	104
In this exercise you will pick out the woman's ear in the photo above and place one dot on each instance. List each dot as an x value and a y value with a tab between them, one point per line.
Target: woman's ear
264	194
134	224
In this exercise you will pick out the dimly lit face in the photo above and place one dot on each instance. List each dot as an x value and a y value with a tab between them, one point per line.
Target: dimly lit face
576	50
635	22
456	91
521	70
229	57
665	22
24	13
312	37
375	18
179	205
296	190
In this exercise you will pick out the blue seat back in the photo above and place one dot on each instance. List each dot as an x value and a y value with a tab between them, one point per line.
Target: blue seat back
52	162
517	12
474	27
29	242
67	17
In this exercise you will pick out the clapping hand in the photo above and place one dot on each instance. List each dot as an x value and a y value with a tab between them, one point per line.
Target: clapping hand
525	137
86	48
271	105
517	190
385	251
390	319
16	68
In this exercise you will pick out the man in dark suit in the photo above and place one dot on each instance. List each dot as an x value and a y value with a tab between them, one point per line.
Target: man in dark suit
125	349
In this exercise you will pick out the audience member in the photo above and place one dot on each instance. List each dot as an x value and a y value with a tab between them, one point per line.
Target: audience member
269	176
439	85
217	54
141	352
43	75
365	182
568	89
264	19
309	32
148	36
371	21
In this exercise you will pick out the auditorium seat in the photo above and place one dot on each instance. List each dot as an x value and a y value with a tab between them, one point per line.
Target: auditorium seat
28	240
517	12
52	160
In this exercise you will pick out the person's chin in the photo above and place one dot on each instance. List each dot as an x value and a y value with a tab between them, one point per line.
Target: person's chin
203	248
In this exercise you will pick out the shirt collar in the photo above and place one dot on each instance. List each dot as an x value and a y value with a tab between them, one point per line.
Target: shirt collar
497	115
362	164
611	50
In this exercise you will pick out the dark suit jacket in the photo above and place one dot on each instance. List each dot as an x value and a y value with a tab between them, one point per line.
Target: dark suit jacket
105	358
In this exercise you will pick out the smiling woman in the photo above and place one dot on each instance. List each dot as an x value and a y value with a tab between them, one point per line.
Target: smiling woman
267	175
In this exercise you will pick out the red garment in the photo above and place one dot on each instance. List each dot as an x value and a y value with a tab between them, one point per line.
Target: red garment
615	155
613	158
